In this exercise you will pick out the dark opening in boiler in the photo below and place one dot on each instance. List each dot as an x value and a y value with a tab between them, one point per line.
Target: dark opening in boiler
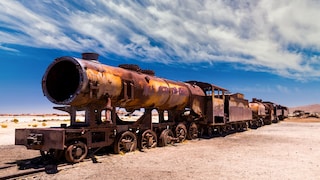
62	81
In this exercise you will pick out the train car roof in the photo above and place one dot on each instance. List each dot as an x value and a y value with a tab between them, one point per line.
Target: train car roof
269	102
203	85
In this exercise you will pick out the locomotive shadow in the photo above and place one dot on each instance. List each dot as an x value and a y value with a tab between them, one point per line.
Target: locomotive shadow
50	164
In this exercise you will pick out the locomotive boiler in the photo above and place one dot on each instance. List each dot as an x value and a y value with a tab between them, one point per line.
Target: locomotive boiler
259	111
79	82
93	94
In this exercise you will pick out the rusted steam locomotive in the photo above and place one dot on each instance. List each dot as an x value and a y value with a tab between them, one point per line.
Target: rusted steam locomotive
185	110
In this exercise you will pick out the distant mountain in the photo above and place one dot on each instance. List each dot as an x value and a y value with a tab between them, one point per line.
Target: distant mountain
308	108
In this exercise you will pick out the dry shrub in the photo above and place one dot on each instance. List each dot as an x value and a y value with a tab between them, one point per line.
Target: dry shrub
44	124
15	120
34	125
4	125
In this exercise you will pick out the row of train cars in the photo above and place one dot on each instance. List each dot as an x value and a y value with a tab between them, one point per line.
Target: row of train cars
185	110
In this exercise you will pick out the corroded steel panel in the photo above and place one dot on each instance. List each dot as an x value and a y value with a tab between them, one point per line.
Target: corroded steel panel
270	111
258	110
285	112
41	138
218	107
76	82
239	114
151	91
238	108
87	81
197	99
278	112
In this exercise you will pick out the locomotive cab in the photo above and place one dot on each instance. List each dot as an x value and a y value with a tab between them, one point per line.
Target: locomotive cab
214	102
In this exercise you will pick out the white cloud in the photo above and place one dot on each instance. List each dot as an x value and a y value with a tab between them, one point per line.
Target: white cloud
274	36
295	21
282	89
8	49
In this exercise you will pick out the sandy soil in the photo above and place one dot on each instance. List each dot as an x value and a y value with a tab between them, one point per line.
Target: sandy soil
287	150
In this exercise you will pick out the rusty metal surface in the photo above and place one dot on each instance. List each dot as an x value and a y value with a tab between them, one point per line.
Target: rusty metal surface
52	138
72	81
87	81
218	107
238	108
270	111
218	99
284	111
258	108
213	102
197	99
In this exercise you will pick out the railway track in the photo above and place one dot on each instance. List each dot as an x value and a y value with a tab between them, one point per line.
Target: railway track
22	174
30	167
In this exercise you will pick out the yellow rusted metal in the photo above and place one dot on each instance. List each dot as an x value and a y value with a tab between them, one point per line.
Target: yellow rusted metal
98	82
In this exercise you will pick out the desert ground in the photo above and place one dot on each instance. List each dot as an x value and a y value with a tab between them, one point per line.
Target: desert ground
286	150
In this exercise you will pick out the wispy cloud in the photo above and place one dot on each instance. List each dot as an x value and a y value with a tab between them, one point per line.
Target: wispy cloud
8	49
280	37
268	89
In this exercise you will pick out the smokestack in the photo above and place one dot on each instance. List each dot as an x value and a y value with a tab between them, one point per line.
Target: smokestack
90	56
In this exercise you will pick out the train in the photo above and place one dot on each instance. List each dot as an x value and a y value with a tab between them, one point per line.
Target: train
98	96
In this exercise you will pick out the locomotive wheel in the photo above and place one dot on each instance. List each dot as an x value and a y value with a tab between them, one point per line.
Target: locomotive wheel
126	142
220	131
181	132
193	131
210	132
201	132
148	139
76	152
166	137
52	153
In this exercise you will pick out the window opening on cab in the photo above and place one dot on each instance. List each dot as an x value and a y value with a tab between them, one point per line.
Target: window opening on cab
218	93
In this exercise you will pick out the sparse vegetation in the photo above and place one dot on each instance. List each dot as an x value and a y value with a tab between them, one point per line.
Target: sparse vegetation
34	125
43	120
44	124
15	120
79	120
4	125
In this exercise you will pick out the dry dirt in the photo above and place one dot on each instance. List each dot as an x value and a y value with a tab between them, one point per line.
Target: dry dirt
287	150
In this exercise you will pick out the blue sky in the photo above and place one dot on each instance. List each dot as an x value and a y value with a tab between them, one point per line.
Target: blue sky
266	48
